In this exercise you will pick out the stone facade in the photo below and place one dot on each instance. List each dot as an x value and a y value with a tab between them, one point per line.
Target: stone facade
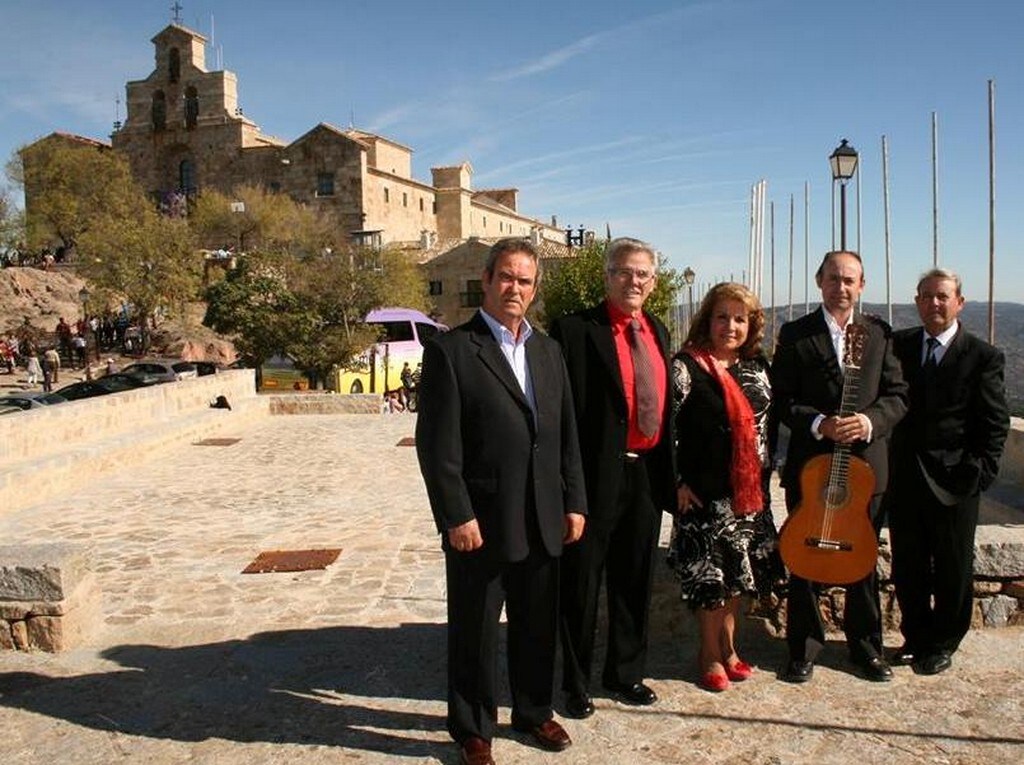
185	131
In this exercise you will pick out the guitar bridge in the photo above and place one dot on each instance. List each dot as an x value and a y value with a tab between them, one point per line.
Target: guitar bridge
834	545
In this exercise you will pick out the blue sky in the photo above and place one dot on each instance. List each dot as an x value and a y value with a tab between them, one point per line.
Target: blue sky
654	117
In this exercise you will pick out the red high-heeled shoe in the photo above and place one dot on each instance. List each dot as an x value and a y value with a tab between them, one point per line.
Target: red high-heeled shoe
739	671
714	682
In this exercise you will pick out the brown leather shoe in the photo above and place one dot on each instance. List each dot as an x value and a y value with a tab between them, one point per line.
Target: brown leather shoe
549	735
476	751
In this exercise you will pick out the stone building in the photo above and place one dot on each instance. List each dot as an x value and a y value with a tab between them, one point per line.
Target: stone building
185	131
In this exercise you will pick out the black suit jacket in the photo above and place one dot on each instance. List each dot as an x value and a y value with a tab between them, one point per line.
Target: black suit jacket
807	381
958	418
481	453
601	416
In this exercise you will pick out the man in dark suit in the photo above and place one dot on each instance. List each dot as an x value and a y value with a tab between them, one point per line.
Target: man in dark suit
945	453
807	383
616	354
496	440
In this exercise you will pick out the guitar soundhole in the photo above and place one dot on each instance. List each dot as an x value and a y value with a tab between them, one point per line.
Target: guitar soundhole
835	496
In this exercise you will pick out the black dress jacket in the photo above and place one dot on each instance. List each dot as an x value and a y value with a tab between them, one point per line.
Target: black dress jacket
807	381
601	415
481	452
958	419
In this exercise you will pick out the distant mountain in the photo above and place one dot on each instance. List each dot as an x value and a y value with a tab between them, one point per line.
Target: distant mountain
1009	335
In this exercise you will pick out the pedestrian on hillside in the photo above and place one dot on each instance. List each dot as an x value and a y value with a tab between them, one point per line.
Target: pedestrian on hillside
32	367
51	368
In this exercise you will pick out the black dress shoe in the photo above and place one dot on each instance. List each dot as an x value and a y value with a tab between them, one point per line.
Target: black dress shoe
798	671
578	705
636	694
934	663
904	656
875	669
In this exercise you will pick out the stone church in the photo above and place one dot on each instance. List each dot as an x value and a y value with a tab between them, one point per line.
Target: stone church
185	131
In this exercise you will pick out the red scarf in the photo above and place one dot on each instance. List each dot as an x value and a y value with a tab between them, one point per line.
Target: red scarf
745	470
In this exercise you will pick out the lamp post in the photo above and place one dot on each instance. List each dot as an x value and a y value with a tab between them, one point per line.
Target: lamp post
688	277
844	164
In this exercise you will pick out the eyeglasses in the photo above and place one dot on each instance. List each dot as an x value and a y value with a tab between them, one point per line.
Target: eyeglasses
624	273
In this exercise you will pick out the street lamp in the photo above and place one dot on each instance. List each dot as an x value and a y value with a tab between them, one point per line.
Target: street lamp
844	164
688	276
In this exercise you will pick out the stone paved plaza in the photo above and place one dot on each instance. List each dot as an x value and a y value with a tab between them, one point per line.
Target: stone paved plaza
198	663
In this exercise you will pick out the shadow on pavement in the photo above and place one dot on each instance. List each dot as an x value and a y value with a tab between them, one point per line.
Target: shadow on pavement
293	686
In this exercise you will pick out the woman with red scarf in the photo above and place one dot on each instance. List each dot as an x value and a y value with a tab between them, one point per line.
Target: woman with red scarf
723	539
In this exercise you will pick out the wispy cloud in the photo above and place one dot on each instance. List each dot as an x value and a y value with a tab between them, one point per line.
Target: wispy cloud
554	59
551	60
562	156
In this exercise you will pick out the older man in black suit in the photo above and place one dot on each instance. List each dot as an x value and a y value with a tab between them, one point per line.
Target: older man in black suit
807	384
496	440
616	354
945	453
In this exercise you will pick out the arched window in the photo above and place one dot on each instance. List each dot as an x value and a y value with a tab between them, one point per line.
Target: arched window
187	177
174	65
159	111
191	107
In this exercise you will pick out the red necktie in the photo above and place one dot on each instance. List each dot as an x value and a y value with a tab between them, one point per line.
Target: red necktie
648	418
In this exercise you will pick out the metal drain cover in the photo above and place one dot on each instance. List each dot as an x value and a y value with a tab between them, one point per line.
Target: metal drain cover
218	441
282	561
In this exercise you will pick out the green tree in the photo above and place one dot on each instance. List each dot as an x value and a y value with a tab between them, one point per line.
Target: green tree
575	283
69	185
12	224
146	258
251	218
255	305
340	289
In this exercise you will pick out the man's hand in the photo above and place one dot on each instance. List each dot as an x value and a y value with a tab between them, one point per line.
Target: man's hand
686	499
845	430
574	524
466	537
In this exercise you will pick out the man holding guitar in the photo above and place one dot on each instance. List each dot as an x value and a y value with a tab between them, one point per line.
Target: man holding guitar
808	381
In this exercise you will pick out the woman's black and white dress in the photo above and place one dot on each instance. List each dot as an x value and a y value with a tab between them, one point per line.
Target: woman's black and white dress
716	554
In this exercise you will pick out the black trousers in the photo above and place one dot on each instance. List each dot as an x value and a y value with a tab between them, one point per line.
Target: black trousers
862	613
620	549
932	564
478	587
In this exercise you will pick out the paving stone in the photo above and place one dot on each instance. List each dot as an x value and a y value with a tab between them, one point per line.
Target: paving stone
197	663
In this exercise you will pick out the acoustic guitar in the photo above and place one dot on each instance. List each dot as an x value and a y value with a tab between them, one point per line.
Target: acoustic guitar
829	538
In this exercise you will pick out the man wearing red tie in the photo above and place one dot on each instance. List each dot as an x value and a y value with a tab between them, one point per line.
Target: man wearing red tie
616	355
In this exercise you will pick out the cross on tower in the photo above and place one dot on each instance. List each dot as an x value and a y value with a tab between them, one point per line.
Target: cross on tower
177	11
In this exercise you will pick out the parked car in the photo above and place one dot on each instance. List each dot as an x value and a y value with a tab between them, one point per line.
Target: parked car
30	400
185	369
103	386
204	368
157	371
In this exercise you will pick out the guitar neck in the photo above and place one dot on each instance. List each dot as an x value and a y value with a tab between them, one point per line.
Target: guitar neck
839	472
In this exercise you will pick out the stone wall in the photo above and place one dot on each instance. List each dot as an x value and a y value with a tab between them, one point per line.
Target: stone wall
49	599
52	450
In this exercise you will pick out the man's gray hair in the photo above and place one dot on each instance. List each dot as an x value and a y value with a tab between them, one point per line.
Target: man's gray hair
625	245
941	273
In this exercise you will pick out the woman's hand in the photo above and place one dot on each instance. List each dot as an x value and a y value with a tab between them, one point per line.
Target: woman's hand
686	499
